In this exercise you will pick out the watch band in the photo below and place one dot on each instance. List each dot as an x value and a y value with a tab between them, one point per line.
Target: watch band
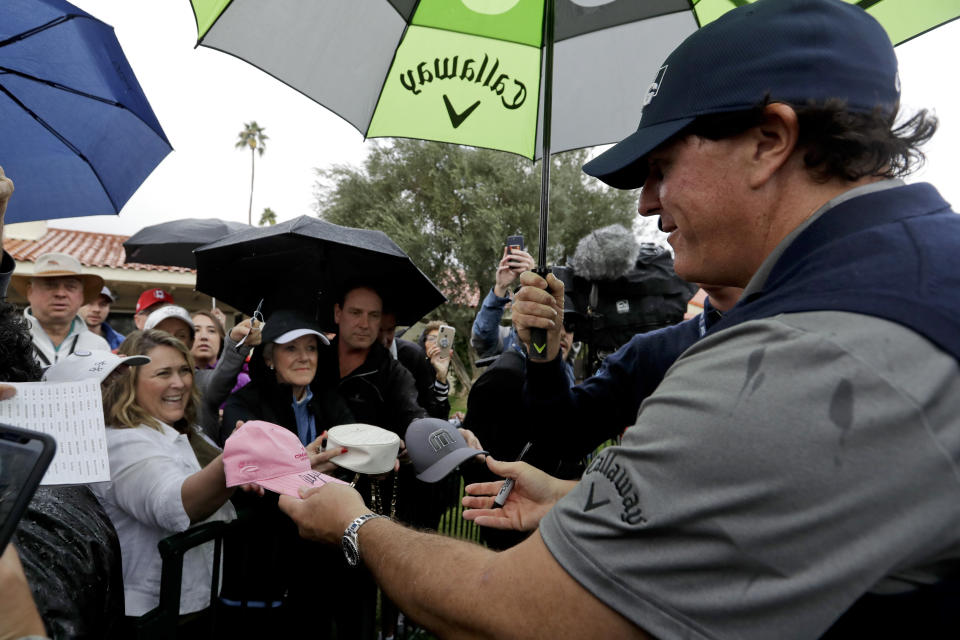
351	548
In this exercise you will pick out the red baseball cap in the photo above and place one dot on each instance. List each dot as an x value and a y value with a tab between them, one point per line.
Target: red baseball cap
151	297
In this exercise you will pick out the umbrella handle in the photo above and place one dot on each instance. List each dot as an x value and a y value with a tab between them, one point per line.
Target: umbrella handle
538	336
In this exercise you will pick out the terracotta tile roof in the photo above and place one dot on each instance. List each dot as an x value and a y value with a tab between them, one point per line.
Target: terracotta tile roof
90	248
695	304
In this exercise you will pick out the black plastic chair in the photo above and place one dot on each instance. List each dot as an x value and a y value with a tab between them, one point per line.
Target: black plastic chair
162	622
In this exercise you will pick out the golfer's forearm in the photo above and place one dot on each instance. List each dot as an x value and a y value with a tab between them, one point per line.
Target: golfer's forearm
447	585
461	590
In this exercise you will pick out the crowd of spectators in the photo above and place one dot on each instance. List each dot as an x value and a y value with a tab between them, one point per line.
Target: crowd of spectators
784	463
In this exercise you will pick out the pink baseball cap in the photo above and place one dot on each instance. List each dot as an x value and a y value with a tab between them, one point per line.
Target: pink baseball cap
268	455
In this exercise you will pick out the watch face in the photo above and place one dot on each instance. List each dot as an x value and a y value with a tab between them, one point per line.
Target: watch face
350	549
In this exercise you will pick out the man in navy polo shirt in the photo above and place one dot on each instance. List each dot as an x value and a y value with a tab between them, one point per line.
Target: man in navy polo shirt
796	472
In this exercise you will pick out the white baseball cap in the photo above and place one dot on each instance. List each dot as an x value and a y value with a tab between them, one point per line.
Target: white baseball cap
169	311
370	449
83	365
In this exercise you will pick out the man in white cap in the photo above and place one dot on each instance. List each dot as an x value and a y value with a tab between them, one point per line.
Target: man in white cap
175	320
56	290
95	315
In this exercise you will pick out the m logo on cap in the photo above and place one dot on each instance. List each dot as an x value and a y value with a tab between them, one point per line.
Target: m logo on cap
653	89
440	439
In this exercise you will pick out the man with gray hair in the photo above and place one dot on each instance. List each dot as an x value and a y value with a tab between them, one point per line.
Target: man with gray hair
56	290
795	474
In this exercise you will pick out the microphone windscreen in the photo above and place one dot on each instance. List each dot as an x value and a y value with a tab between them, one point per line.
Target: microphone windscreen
606	254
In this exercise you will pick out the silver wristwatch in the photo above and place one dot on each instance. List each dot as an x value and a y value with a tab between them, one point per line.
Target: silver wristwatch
349	540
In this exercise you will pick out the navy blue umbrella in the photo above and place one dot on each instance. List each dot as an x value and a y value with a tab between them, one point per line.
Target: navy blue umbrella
77	135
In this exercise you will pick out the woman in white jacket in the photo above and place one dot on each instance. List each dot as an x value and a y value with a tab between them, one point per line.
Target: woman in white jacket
158	486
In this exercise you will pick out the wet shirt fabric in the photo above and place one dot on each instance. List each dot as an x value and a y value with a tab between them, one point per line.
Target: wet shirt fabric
727	513
143	499
71	559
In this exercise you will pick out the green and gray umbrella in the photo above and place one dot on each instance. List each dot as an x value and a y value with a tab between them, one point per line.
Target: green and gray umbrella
474	72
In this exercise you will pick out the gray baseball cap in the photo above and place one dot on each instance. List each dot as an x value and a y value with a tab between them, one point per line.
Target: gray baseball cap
436	448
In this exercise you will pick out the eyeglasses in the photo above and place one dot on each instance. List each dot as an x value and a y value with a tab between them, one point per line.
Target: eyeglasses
257	317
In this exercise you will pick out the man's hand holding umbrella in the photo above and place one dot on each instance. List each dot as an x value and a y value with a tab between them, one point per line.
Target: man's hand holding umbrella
536	306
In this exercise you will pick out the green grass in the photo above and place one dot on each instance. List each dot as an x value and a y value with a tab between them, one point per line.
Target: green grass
458	403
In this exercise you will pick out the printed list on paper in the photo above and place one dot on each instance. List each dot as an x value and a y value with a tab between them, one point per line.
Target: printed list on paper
71	412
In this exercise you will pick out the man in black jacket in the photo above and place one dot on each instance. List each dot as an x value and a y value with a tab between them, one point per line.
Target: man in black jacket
379	391
377	388
432	394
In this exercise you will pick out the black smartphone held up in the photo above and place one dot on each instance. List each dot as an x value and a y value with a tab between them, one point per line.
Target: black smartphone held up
24	458
515	242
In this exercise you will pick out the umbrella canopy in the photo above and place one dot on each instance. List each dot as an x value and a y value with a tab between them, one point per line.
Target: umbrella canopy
525	76
78	135
469	71
172	243
304	264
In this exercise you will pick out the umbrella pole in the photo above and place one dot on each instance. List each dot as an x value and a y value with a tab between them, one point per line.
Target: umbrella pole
548	10
538	337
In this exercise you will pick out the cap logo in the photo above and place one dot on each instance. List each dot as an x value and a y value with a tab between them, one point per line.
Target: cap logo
440	439
653	89
158	294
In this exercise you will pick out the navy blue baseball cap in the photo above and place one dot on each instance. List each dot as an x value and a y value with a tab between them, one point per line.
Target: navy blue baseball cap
792	50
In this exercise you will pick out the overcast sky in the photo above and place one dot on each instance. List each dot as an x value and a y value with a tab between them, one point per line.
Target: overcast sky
203	97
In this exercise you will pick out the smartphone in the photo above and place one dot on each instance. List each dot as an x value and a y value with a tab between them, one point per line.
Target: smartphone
515	242
445	336
24	458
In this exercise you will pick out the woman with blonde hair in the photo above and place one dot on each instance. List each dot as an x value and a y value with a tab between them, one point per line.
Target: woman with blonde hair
158	486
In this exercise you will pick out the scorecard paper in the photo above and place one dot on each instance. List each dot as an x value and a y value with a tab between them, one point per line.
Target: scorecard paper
71	412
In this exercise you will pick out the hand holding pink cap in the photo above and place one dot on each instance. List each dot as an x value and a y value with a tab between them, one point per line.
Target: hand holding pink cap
268	455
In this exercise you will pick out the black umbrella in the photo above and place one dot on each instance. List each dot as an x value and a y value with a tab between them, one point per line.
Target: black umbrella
172	243
304	263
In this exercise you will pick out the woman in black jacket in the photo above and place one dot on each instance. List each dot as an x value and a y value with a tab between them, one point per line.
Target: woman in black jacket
270	586
283	388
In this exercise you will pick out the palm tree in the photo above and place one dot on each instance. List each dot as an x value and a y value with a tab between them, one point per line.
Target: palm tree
268	216
252	135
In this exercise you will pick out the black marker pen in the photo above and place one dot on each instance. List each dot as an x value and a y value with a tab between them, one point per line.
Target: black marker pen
507	487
